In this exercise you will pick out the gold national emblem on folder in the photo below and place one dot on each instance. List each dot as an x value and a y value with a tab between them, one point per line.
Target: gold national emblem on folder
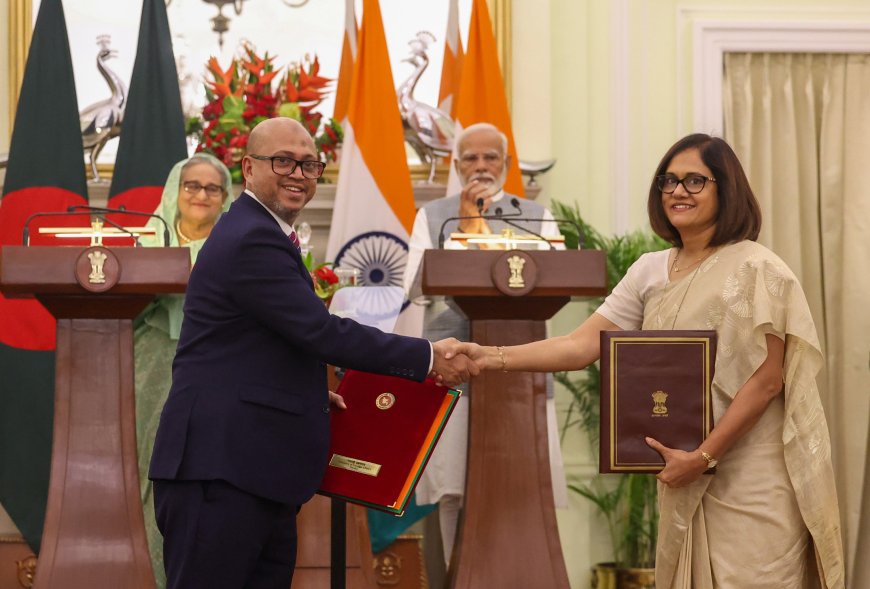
656	384
385	401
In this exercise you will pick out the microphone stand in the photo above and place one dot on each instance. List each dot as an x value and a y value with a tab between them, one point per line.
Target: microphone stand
25	232
526	229
517	216
494	217
123	210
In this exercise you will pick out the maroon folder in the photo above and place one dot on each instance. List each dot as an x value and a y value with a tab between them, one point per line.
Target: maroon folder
656	384
382	441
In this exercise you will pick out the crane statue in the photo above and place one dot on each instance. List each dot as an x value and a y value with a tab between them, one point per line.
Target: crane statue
428	129
101	121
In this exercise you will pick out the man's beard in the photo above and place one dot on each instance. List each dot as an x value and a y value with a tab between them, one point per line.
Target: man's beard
283	213
495	183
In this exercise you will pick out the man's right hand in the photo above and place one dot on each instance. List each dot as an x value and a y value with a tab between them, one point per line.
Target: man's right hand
468	198
450	368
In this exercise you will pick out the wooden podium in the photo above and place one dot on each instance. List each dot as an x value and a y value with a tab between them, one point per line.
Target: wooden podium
508	536
94	532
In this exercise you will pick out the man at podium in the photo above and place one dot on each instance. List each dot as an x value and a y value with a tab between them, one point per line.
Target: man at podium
244	435
483	209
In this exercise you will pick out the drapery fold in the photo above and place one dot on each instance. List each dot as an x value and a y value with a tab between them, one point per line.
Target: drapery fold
800	124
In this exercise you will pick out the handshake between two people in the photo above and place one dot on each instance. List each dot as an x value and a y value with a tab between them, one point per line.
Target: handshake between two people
455	362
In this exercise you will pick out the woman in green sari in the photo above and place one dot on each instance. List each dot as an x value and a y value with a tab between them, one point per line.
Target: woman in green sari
768	517
196	193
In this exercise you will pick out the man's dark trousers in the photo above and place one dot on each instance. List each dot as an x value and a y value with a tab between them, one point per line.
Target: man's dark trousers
222	537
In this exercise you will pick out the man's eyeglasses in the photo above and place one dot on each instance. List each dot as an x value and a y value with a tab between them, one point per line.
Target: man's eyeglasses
211	190
284	166
693	183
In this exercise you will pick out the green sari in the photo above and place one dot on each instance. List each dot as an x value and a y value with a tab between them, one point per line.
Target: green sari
155	338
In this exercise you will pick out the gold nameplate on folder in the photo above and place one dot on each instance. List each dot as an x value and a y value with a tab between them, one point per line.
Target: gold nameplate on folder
355	465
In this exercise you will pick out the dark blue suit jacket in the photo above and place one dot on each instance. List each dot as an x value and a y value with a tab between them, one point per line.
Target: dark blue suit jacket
249	402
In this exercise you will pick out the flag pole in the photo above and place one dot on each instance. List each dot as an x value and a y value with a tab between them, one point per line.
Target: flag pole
338	545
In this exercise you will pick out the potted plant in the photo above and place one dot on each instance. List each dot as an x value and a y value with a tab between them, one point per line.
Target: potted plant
628	503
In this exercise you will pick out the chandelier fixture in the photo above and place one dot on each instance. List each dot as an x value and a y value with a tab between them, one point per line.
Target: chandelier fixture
221	23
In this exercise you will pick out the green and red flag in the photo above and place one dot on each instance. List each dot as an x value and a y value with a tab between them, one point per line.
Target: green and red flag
152	132
45	173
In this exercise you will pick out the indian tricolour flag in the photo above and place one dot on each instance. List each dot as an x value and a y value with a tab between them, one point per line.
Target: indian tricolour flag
374	201
481	97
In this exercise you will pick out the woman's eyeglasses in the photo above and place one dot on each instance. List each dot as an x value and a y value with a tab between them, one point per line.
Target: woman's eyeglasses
693	183
211	190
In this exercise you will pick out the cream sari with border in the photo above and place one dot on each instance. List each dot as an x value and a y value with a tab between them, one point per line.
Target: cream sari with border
769	517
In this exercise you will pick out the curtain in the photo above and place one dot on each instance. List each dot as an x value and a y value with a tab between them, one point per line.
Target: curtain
800	124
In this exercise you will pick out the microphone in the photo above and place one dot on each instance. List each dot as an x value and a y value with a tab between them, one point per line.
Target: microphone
518	226
122	209
25	232
581	236
108	221
461	218
479	206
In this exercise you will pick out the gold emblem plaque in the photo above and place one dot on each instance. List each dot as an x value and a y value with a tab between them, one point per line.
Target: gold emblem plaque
516	264
659	408
514	273
97	269
355	465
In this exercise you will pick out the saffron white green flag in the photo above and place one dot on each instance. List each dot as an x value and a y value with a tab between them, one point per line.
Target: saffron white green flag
374	201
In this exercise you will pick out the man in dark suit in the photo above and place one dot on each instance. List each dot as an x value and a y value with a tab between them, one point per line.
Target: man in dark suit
244	434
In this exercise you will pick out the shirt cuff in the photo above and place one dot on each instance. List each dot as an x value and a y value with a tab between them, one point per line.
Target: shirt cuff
431	357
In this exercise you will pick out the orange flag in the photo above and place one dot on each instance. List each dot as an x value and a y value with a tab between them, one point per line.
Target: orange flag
481	95
374	201
451	70
348	55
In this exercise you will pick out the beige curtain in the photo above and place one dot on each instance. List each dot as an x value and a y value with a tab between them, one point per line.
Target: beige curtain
800	124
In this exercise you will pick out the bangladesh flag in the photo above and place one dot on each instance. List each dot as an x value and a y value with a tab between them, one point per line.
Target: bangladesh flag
152	133
46	173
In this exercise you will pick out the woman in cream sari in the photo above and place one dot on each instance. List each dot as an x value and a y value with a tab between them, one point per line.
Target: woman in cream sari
768	518
196	193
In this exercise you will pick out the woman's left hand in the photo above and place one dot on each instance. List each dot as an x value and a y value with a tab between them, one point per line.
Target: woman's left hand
337	400
681	468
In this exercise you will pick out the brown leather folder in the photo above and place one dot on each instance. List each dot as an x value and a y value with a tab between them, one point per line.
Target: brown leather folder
656	384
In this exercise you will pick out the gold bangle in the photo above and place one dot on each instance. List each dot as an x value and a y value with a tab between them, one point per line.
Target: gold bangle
500	350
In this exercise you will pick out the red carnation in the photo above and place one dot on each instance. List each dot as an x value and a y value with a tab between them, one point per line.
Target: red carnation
325	274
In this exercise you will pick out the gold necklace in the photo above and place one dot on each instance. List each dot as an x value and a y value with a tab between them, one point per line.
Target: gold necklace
688	286
181	236
698	260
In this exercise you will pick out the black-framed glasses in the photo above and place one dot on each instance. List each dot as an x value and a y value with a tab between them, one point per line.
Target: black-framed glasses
284	166
693	183
211	190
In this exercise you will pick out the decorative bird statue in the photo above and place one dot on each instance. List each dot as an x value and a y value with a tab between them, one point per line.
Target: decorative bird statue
428	129
101	121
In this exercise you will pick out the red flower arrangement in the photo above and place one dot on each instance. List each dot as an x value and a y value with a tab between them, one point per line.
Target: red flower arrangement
325	280
242	96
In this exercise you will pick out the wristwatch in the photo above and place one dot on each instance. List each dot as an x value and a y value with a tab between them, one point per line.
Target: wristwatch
711	462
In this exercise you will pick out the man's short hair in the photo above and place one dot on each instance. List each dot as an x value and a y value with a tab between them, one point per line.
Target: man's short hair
471	129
